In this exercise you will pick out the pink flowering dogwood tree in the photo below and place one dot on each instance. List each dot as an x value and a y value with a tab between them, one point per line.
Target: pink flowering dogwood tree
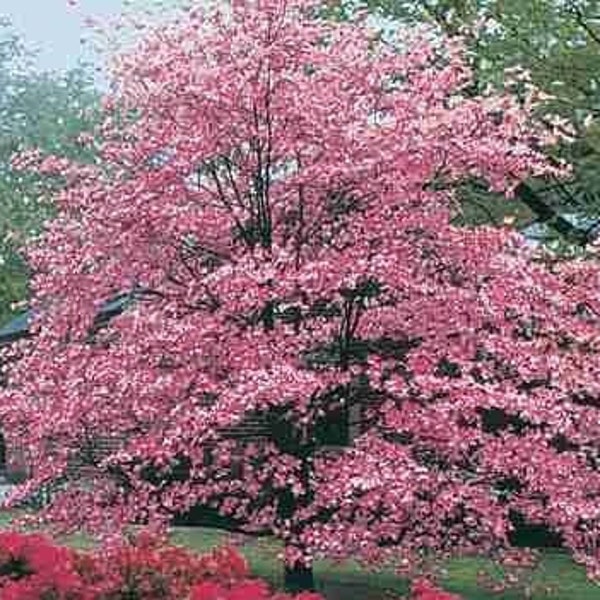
277	192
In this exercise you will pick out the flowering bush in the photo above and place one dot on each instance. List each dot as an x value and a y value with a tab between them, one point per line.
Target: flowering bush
34	568
244	590
148	567
31	567
423	589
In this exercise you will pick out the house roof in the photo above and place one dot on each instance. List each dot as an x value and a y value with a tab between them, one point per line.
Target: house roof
15	328
18	327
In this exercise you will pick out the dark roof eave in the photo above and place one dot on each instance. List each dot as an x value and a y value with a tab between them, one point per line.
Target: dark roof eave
18	327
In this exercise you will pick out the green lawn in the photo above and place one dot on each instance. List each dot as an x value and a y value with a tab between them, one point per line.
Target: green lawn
350	582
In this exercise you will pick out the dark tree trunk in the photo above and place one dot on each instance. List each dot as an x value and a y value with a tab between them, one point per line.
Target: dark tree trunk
299	578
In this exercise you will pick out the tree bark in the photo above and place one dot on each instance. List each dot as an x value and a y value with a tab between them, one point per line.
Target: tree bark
299	578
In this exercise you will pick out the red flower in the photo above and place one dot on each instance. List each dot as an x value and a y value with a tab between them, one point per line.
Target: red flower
209	590
423	589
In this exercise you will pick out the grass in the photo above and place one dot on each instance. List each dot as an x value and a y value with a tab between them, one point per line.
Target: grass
556	571
349	581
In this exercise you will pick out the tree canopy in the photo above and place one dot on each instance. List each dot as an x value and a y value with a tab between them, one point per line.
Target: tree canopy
556	44
277	189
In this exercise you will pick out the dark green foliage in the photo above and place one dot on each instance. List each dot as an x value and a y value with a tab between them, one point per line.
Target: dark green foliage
37	110
558	43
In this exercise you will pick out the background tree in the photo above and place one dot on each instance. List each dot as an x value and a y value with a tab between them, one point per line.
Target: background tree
276	191
557	43
46	111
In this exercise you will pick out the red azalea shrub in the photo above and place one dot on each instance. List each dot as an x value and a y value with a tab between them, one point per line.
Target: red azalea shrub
32	567
251	589
423	589
223	563
150	567
145	568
